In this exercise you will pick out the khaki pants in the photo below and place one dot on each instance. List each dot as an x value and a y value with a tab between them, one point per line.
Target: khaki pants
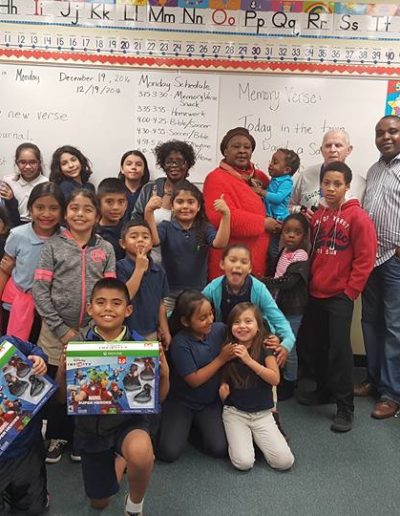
242	428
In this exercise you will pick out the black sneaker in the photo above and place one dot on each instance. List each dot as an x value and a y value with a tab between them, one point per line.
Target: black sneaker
343	421
75	455
55	451
316	397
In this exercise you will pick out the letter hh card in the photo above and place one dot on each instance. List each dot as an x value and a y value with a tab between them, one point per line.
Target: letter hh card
112	378
22	393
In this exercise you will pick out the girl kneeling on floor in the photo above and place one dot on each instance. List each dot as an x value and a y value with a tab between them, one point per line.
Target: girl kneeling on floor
196	356
246	391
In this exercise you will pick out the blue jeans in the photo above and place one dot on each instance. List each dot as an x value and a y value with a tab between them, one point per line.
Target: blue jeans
290	370
381	328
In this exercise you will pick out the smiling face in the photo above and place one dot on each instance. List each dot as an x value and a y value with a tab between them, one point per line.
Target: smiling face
81	215
245	327
133	168
175	166
70	166
200	323
335	147
108	309
46	215
137	239
387	137
236	266
334	188
28	164
112	207
238	152
185	207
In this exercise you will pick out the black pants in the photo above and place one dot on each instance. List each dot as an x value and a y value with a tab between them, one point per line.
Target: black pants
273	253
23	482
59	424
176	422
333	357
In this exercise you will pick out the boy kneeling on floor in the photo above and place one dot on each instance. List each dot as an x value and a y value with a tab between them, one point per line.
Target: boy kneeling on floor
112	443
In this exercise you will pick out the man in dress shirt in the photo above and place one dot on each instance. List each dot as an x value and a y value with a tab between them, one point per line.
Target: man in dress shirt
381	297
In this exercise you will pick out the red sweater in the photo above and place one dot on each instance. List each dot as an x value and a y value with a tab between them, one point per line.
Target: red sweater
247	218
343	250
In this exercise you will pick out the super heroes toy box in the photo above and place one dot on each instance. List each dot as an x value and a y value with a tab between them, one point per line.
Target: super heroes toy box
22	393
112	378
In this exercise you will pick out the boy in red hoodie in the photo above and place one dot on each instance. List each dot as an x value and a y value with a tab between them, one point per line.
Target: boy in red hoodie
343	255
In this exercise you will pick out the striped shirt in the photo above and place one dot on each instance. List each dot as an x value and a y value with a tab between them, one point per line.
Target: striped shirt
287	257
382	203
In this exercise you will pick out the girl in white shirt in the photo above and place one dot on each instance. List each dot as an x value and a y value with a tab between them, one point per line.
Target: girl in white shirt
15	189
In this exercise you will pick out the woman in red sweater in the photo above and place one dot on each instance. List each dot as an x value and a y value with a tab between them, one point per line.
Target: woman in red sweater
249	224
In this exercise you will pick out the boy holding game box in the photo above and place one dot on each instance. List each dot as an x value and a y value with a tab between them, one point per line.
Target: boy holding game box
111	443
23	479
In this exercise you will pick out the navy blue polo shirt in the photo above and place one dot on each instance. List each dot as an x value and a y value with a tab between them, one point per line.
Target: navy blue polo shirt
146	304
112	234
132	198
184	259
188	354
229	299
257	394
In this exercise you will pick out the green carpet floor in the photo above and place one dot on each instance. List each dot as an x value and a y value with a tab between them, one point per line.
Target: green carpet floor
357	473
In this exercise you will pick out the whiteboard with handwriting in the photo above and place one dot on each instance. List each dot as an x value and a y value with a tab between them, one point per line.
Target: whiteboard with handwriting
105	112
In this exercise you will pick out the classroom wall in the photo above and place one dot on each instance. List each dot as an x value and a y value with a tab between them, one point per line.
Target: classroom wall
106	111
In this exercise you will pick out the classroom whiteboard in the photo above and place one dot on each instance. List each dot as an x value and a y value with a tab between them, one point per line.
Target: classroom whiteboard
105	112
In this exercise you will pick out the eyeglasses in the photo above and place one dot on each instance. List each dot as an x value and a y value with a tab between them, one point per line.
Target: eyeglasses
175	162
25	163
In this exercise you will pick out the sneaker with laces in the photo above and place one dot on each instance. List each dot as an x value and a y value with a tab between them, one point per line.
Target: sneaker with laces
343	420
55	451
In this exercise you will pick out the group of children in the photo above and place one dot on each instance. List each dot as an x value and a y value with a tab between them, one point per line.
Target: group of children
227	342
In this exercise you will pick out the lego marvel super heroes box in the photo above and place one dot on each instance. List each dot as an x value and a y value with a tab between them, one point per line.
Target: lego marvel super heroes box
112	377
22	393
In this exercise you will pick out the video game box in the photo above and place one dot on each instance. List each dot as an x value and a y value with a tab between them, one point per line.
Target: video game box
112	377
22	393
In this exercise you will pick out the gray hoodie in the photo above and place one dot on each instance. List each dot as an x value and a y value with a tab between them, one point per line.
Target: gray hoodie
65	277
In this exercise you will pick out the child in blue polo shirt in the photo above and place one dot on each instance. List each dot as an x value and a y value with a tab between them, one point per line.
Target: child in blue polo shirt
146	282
113	200
110	445
186	239
196	357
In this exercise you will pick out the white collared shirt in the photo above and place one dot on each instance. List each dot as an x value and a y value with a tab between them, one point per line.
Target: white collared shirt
22	190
